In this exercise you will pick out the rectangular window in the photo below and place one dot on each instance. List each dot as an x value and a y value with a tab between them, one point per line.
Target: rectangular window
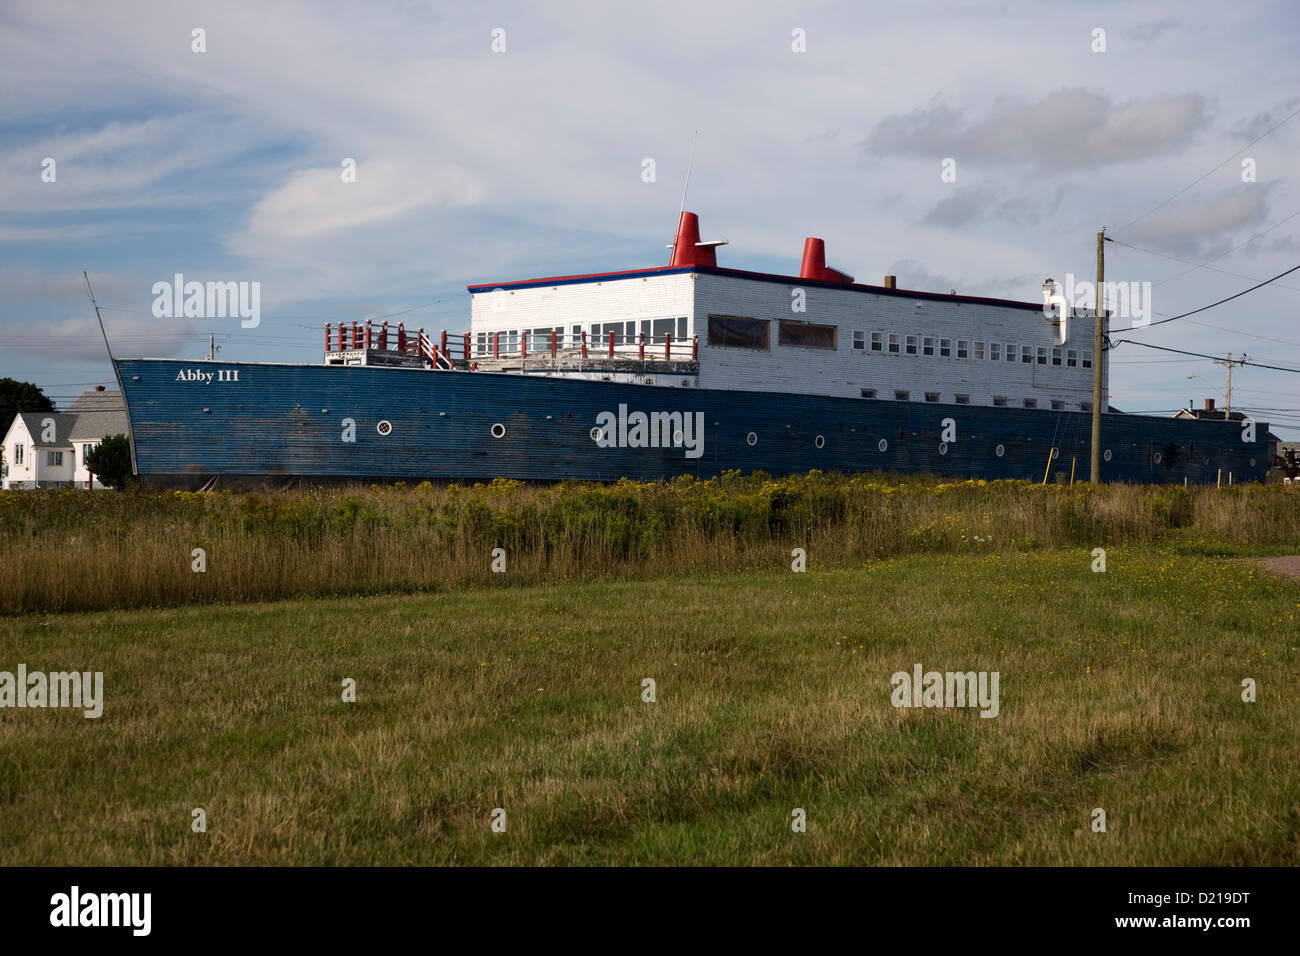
511	341
927	345
18	454
910	345
945	348
1056	357
85	450
877	342
1011	353
1026	355
681	328
805	335
54	458
979	351
963	399
868	393
736	332
893	343
963	349
1085	406
859	340
995	352
1057	405
1087	359
1042	355
658	329
931	396
902	396
1000	401
1071	358
1031	403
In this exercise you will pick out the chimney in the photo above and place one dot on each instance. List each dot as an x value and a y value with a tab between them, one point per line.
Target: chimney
891	282
814	263
99	388
1209	404
687	248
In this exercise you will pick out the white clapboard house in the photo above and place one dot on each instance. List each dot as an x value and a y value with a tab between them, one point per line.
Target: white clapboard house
48	449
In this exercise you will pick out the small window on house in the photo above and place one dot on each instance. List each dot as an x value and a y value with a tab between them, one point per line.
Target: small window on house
1026	355
902	396
927	345
995	352
1071	358
1031	403
963	399
859	340
1087	359
54	458
806	335
868	393
681	328
1011	353
85	450
1085	406
737	332
877	342
893	343
1042	355
1056	357
963	348
910	344
18	454
1058	405
979	351
945	348
1000	401
931	396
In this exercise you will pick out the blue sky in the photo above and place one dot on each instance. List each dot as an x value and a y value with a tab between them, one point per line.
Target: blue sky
476	166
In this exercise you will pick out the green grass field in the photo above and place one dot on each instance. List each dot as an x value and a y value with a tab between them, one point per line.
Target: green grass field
1119	690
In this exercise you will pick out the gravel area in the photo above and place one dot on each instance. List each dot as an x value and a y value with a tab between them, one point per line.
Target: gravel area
1289	564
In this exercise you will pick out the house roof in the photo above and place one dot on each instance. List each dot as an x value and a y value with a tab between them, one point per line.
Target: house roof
34	423
92	417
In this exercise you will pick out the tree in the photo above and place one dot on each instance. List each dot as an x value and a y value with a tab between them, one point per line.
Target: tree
18	397
110	461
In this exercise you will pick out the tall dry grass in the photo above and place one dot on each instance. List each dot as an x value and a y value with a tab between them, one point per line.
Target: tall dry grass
69	550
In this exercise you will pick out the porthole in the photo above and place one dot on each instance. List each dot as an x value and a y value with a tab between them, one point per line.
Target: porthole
1157	458
943	448
1252	463
597	433
751	439
820	442
498	430
1106	454
883	445
1000	450
385	427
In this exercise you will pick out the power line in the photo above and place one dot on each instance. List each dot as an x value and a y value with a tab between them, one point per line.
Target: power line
1214	170
1147	345
1220	302
1206	263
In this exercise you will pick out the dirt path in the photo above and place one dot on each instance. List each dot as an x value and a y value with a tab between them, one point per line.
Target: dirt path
1289	564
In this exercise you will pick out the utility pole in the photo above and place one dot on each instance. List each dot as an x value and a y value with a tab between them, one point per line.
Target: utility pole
1098	341
1230	362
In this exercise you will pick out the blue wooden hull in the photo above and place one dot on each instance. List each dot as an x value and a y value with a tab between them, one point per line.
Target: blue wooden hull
273	421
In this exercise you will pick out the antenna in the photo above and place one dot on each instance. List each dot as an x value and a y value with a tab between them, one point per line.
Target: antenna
117	373
689	167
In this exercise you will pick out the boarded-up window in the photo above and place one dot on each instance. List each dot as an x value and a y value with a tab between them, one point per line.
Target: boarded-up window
808	336
736	332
